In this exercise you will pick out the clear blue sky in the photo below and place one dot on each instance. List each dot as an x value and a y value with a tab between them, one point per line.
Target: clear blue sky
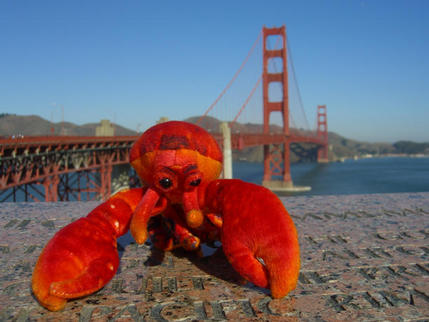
134	61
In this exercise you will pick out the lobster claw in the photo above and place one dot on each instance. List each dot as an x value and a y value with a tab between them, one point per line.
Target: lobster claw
82	257
258	236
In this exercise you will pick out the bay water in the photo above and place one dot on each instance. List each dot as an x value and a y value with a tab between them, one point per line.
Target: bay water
362	176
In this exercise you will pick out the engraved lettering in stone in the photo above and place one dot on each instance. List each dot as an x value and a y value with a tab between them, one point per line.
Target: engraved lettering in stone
410	250
156	284
330	253
88	310
48	224
118	286
374	303
421	294
422	269
329	215
313	276
263	306
30	249
169	263
337	239
296	218
400	271
22	315
412	235
388	235
200	310
132	263
341	302
11	223
247	307
422	210
5	249
128	311
143	286
425	233
218	312
369	273
197	282
315	216
316	278
377	252
24	224
172	284
302	278
351	253
312	240
11	290
425	249
393	299
391	213
350	213
24	266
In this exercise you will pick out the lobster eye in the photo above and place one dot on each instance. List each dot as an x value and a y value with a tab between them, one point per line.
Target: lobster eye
165	183
195	182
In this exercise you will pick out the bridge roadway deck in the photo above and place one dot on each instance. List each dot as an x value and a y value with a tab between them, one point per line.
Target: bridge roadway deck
364	257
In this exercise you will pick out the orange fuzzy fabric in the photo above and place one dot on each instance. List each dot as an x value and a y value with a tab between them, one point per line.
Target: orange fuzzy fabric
256	225
82	257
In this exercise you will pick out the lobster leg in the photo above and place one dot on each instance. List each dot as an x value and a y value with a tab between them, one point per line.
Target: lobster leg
168	231
147	208
258	236
82	257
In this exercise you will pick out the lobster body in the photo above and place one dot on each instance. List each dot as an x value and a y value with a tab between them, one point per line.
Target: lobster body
82	257
179	164
255	226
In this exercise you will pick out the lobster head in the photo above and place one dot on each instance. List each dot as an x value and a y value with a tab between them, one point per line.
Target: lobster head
173	159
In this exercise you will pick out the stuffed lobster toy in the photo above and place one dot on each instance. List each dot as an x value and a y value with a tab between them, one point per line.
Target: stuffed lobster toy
179	164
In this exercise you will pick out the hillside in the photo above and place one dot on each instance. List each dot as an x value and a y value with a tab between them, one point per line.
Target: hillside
340	147
35	125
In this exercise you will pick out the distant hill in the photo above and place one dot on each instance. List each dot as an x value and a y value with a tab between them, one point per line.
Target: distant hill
340	147
35	125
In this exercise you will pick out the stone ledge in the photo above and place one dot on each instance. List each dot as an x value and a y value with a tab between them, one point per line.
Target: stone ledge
364	257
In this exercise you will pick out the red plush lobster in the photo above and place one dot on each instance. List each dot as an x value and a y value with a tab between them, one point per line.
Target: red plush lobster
179	164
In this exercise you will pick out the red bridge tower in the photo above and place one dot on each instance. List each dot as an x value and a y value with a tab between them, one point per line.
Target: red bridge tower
276	156
322	132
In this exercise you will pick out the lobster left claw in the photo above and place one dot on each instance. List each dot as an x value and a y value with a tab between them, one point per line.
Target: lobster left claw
258	236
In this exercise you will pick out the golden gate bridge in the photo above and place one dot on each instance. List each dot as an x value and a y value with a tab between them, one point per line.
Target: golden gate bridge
62	168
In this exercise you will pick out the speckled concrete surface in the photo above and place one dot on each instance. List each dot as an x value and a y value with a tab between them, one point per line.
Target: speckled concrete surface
364	257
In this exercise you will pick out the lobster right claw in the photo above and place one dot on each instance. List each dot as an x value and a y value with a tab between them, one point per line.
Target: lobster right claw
82	257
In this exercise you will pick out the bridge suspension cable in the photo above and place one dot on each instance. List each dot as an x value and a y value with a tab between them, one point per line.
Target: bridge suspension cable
296	84
247	100
233	78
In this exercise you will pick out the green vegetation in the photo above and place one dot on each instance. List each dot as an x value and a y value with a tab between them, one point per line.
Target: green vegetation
6	114
408	147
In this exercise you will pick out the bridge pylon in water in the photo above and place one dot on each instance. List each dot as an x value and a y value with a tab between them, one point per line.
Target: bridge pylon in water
277	156
322	132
